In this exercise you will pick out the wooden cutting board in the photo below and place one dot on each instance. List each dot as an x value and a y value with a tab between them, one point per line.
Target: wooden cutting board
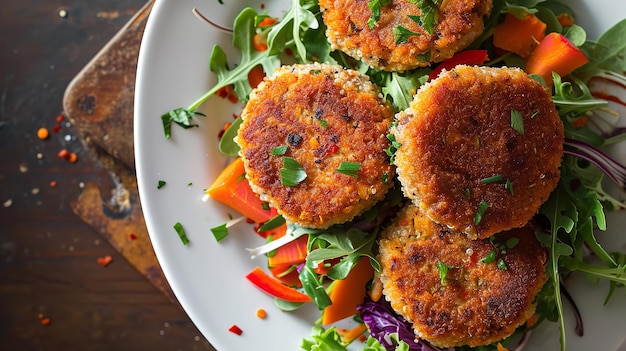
99	103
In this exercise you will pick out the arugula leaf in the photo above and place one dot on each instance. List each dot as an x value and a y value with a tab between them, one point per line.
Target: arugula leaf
563	216
608	53
299	18
244	29
312	285
574	100
402	87
227	145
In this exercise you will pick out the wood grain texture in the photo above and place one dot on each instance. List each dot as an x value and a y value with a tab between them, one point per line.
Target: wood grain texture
48	254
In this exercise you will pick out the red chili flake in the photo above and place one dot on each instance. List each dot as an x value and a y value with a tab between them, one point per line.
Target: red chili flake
256	230
59	118
288	52
44	320
72	158
104	261
262	6
221	133
235	329
331	149
56	128
53	183
222	92
249	221
132	236
64	154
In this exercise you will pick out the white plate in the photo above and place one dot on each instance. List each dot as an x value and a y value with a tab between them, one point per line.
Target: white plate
208	277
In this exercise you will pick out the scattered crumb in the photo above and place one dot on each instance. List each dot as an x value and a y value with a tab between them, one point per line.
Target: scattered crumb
62	13
8	203
42	133
43	319
105	261
23	168
261	313
235	329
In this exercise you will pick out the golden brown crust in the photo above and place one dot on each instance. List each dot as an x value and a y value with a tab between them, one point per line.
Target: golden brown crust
325	115
460	22
480	303
457	133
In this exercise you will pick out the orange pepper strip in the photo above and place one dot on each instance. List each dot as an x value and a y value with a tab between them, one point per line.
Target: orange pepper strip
232	189
348	293
274	287
519	35
556	54
289	254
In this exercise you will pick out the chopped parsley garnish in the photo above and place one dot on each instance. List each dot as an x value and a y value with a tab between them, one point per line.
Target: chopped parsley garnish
501	264
430	14
265	206
395	145
491	257
279	150
480	211
180	116
323	123
402	34
493	179
292	172
160	184
273	223
220	232
517	122
375	6
181	233
349	168
509	186
443	271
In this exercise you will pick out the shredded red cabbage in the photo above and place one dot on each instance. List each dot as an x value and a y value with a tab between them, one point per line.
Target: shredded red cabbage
381	321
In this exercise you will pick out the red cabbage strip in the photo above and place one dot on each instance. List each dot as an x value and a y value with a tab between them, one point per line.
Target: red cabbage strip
381	321
612	168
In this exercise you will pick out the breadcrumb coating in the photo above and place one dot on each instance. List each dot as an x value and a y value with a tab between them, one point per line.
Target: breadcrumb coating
481	149
446	285
458	23
324	115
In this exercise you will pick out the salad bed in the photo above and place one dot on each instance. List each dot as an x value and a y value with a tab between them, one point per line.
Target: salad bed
574	211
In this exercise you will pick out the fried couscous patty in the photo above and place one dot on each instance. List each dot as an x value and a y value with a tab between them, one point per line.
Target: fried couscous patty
480	149
402	38
321	116
457	291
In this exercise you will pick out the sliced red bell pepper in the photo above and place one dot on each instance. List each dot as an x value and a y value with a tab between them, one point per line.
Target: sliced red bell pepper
274	287
469	57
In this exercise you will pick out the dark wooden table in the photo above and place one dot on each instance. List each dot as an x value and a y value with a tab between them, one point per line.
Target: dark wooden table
53	293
